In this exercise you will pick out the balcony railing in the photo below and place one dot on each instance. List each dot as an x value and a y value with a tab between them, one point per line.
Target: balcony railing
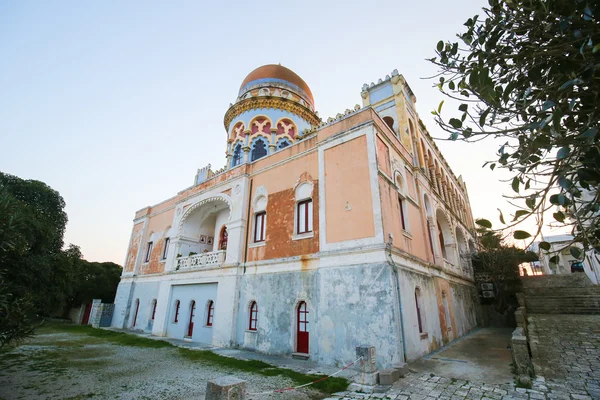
201	260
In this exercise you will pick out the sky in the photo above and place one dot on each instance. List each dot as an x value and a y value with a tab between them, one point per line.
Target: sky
117	104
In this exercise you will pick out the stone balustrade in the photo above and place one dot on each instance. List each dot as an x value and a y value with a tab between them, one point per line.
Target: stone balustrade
201	260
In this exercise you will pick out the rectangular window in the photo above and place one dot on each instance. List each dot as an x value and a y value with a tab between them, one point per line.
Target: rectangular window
304	220
402	216
259	227
166	248
148	252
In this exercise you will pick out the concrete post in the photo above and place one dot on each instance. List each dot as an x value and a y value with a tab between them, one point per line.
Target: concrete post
226	388
367	366
520	352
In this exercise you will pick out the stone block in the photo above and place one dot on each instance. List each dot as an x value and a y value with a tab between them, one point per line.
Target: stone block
520	352
388	376
366	378
226	388
520	317
367	364
402	369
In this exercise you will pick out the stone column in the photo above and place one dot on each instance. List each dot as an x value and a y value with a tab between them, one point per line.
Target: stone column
226	388
246	150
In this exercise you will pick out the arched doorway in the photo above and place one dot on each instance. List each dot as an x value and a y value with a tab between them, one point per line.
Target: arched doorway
190	329
302	339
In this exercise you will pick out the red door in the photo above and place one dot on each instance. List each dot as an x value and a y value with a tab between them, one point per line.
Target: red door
302	334
86	314
191	323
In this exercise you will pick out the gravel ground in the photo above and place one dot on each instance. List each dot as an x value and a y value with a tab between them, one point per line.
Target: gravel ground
76	366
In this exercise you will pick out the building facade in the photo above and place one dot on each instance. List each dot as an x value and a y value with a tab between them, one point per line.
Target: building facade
560	246
316	237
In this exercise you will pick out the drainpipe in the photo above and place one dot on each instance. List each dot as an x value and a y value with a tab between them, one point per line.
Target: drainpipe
397	282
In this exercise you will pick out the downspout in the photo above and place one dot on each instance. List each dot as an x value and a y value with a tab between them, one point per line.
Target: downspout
397	282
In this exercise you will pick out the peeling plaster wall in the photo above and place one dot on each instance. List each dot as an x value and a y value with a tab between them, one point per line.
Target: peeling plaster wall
134	247
462	310
339	320
145	292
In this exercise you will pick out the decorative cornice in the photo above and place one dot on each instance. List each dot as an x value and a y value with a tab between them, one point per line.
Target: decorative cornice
255	103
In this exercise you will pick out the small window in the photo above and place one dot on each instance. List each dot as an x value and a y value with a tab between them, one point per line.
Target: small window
166	248
153	309
148	252
259	226
210	313
177	305
304	218
253	316
401	203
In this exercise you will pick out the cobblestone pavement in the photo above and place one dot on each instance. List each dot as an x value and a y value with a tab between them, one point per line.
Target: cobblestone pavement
566	350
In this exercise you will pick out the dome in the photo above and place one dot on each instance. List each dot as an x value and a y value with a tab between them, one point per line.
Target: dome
272	73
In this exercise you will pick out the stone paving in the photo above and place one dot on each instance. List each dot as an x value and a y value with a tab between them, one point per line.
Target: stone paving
566	351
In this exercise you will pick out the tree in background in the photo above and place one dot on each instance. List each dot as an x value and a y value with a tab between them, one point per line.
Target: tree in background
528	72
499	263
37	277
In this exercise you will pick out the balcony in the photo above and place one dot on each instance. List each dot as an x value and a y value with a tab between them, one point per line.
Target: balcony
202	260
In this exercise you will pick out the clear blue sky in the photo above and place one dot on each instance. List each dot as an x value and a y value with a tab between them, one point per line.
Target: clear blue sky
90	92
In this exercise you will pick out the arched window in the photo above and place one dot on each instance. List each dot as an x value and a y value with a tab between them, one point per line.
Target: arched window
190	331
137	308
259	149
389	122
177	305
402	203
223	239
210	311
446	311
237	155
253	316
442	242
420	311
282	144
153	309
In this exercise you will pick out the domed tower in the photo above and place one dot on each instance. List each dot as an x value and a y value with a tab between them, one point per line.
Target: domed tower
273	106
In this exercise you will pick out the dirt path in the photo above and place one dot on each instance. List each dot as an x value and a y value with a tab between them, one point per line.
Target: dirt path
59	365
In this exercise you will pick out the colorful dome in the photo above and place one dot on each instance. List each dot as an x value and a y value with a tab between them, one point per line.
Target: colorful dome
276	74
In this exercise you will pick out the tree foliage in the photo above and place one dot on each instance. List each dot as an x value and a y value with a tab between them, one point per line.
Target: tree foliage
37	277
527	72
500	263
